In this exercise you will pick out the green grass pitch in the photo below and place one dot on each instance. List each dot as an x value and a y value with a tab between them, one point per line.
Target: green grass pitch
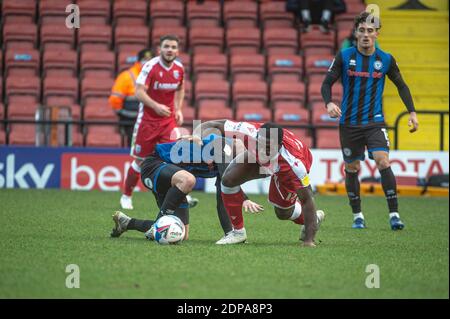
43	231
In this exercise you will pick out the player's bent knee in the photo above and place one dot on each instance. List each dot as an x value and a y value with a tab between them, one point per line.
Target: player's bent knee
283	214
383	164
353	167
184	180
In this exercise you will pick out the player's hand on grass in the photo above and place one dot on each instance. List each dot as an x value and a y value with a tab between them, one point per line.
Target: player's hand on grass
252	207
161	109
179	117
413	121
333	110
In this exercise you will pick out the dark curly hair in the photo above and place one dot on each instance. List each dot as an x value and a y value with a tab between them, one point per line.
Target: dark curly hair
363	17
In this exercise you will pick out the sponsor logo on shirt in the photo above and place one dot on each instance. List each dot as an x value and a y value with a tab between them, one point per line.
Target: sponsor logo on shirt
165	86
375	75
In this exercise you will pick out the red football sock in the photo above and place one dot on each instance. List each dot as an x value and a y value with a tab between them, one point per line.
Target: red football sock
299	220
233	205
130	181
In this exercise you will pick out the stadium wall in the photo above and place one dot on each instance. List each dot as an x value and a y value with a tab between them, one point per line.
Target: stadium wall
104	169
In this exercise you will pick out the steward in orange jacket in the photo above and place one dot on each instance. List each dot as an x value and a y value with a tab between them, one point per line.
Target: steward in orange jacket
122	98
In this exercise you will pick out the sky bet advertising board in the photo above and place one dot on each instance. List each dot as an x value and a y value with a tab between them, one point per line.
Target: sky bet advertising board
105	169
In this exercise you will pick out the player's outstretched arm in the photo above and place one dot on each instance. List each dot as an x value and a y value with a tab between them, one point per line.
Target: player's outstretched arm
306	197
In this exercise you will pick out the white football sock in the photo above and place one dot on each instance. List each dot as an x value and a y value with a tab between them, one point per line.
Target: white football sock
394	214
358	215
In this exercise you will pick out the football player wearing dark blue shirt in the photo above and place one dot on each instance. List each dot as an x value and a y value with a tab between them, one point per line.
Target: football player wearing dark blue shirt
170	173
363	69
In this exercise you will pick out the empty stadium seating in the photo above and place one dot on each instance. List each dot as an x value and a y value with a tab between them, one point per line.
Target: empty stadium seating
249	67
211	66
242	59
205	14
166	13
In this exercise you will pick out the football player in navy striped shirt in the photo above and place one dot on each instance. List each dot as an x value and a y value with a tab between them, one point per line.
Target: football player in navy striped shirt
363	71
170	174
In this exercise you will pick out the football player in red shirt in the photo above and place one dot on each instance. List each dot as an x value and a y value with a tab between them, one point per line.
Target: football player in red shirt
271	151
160	89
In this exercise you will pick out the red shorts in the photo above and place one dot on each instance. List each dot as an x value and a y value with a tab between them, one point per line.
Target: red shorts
283	190
147	134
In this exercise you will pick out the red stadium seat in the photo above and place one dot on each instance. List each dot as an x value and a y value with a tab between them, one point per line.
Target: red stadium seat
23	86
251	67
250	111
103	136
2	113
273	14
58	90
131	38
126	60
354	7
22	11
22	134
213	110
94	87
60	63
188	113
303	135
53	12
181	32
327	138
65	102
1	88
94	38
285	68
188	91
245	91
239	14
206	14
97	65
315	39
94	11
185	59
2	136
281	92
280	40
291	115
76	137
22	109
212	89
245	40
206	40
318	64
166	13
19	36
210	66
22	62
1	63
53	37
130	12
99	109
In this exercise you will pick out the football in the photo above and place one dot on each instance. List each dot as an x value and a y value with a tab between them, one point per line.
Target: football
168	229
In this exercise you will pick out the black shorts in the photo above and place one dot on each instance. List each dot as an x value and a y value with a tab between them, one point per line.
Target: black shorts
354	141
156	175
